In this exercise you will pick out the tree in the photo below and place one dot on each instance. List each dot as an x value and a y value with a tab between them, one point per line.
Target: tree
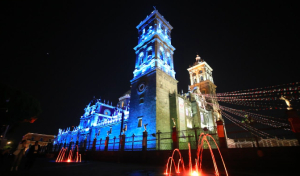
17	107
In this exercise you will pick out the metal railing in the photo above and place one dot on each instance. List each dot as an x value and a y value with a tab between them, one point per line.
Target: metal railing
145	141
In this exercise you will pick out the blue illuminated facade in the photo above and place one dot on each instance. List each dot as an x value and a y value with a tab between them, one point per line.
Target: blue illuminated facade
154	49
153	104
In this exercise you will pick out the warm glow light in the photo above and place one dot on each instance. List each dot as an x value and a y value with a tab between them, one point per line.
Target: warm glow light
69	161
8	142
195	173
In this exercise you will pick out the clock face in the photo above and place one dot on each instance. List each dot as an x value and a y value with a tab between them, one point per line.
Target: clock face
107	112
141	87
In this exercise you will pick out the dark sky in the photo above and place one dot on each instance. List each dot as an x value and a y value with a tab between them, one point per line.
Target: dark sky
65	53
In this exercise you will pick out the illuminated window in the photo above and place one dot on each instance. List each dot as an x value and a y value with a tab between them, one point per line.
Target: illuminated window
141	55
122	104
140	123
161	48
149	53
189	123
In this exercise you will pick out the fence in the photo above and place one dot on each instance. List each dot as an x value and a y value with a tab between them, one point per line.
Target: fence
268	142
146	141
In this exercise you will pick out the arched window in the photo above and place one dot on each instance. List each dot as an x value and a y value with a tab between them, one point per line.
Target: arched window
201	78
149	53
168	58
161	53
141	55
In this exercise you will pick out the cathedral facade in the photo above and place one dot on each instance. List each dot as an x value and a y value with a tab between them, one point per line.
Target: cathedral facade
153	104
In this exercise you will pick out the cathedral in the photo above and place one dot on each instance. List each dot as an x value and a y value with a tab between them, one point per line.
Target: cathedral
153	104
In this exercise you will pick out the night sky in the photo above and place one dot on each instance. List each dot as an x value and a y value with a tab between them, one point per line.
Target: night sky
65	53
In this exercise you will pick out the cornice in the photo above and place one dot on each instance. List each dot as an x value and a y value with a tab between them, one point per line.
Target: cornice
156	14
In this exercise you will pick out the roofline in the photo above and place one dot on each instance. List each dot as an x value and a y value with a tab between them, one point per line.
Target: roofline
39	134
152	14
202	63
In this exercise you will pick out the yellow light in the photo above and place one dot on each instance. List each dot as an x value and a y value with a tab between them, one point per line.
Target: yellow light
195	173
8	142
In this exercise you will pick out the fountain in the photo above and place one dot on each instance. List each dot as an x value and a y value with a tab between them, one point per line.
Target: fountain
62	157
197	171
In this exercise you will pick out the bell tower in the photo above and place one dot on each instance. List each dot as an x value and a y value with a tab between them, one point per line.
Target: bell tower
201	76
153	77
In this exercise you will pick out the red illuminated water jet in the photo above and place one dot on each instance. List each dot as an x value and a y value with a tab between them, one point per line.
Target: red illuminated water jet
63	158
198	160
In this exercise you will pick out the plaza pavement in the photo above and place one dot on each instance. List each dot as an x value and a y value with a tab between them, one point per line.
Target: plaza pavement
47	167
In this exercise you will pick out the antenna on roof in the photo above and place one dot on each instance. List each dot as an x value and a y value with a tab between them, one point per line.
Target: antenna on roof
154	7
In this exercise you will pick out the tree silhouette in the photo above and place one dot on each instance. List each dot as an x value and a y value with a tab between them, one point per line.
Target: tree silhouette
17	107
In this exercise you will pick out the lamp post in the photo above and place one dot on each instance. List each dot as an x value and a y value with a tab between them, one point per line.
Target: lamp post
250	121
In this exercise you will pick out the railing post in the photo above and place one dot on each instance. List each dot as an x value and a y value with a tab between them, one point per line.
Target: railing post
122	142
144	144
94	145
175	138
132	141
158	139
114	143
106	143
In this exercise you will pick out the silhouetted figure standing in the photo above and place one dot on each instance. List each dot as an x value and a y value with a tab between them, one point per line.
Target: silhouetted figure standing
33	153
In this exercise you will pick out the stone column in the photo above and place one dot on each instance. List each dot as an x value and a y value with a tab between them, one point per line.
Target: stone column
145	134
294	120
221	134
106	143
94	145
191	78
158	139
175	138
122	142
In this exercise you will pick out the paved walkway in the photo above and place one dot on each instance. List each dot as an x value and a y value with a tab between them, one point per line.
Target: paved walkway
46	167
